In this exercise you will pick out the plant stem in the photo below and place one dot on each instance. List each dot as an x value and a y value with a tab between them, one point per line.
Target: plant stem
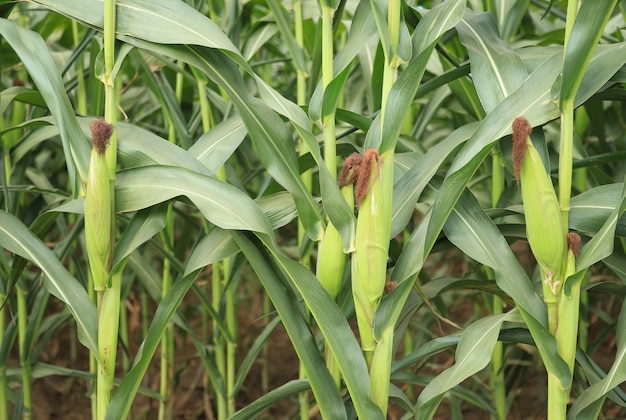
231	323
332	260
108	323
307	179
218	342
109	299
81	88
4	401
377	252
167	339
496	380
22	317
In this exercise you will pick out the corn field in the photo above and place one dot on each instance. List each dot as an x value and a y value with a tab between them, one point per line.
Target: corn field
300	209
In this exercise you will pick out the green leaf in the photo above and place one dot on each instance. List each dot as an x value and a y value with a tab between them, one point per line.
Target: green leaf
221	203
473	354
260	343
258	406
287	35
497	71
435	23
20	94
271	138
601	245
215	246
143	226
122	400
409	187
383	134
322	385
336	330
177	22
470	229
215	146
16	237
337	209
37	59
586	32
615	376
362	29
590	209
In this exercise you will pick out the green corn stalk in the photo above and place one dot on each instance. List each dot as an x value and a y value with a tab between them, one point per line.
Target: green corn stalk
108	299
98	235
555	253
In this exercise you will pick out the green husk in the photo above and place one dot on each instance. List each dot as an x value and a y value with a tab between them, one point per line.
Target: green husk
542	212
369	262
98	220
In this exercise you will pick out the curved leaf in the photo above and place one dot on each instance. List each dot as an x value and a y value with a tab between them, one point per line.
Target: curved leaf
322	385
257	407
221	203
473	354
601	245
583	39
336	330
407	189
122	400
16	237
615	376
470	229
497	71
36	57
177	22
218	144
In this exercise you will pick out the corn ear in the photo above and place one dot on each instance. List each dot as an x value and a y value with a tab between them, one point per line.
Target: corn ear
332	261
98	211
541	210
369	262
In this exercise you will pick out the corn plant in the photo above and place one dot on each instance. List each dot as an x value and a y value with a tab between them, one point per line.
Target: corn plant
330	158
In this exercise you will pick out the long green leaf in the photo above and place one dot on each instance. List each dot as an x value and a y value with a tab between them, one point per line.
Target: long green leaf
616	375
470	229
337	209
384	132
337	333
221	203
37	59
122	400
287	33
473	354
16	237
215	146
257	407
177	22
408	188
601	245
497	71
590	209
586	32
326	393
